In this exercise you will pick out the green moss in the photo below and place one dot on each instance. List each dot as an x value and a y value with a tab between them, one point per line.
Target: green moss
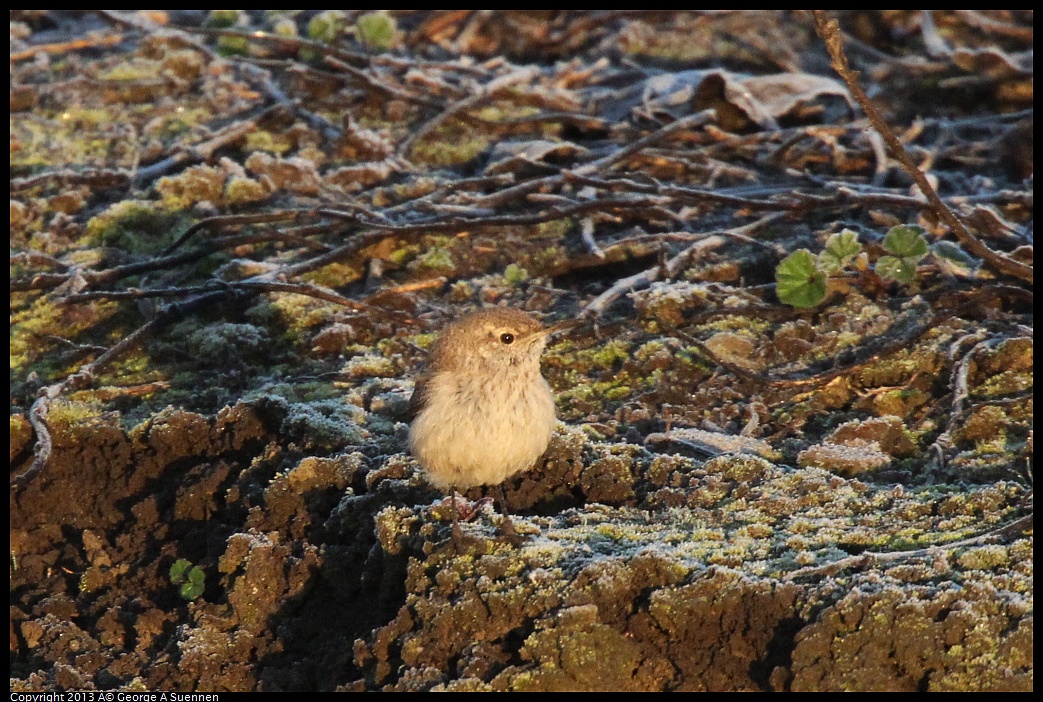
132	69
83	136
166	127
264	140
515	274
549	258
136	226
327	26
898	368
192	186
434	260
1007	383
370	367
233	46
451	144
377	31
32	327
618	393
222	19
993	446
607	356
986	557
588	398
335	275
297	314
555	229
651	349
65	414
240	191
900	403
81	117
740	468
746	326
128	369
424	341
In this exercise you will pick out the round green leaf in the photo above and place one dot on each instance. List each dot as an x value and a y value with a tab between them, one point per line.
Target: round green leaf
190	591
899	269
840	250
178	570
906	241
799	281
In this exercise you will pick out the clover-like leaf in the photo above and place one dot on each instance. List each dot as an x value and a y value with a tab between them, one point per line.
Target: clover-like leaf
899	269
799	281
907	245
190	579
195	585
906	241
840	250
179	570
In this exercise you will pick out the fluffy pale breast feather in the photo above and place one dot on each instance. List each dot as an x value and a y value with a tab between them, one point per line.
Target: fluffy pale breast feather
473	432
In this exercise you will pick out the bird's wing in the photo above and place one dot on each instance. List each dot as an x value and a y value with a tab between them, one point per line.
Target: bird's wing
418	400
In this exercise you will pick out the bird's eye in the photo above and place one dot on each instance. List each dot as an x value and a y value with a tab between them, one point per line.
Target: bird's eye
507	338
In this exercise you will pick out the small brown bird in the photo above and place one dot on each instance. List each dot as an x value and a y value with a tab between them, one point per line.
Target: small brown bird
481	409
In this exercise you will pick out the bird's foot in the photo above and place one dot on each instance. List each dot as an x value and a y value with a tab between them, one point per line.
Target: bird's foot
509	535
465	510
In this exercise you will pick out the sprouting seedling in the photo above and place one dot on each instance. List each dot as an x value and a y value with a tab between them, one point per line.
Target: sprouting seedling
190	578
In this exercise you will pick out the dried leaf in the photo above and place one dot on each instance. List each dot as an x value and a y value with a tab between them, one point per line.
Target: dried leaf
513	156
993	62
762	99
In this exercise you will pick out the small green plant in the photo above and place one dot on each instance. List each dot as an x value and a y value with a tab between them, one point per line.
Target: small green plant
515	274
907	246
229	19
799	281
222	19
377	31
840	251
190	578
326	26
802	278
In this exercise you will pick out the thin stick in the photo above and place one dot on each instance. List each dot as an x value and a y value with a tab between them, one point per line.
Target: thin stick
671	268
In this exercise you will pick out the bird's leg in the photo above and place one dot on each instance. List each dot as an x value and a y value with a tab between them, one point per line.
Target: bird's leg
507	528
457	534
